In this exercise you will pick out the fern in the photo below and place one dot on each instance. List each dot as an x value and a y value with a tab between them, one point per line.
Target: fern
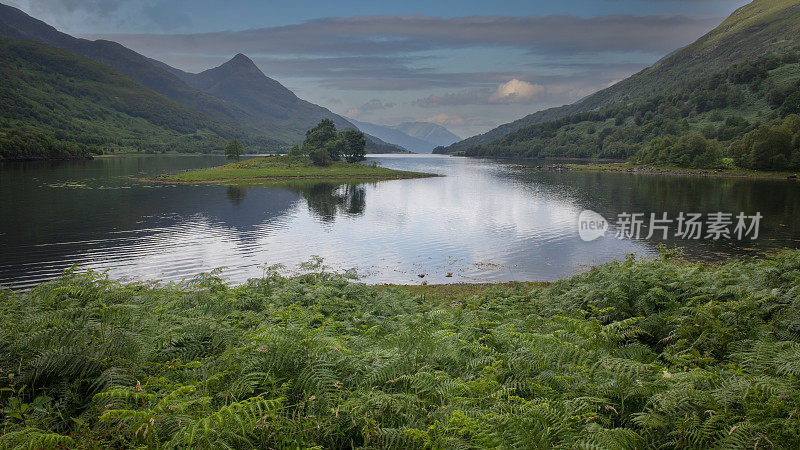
635	354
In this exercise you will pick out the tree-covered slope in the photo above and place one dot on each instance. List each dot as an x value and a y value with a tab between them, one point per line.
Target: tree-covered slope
263	114
58	104
759	28
697	126
17	24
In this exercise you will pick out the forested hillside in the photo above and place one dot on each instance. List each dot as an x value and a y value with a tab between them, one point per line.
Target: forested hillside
763	27
259	111
57	104
698	126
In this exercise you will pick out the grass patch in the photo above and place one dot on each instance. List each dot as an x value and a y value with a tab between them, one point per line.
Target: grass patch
285	167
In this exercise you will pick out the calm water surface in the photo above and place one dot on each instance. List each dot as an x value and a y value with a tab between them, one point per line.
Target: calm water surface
484	221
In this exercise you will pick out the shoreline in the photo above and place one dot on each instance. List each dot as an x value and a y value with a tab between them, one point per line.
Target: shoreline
361	178
636	169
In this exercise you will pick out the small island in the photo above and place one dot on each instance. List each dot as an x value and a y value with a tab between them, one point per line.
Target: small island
326	154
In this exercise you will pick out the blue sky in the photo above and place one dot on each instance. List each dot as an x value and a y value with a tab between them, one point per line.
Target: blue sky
469	65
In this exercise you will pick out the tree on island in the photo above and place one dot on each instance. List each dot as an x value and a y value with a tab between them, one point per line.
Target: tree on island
320	157
355	145
324	144
317	137
234	150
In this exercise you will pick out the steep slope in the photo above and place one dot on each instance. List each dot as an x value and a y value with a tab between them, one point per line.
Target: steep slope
16	24
745	113
263	113
57	104
761	27
241	83
377	145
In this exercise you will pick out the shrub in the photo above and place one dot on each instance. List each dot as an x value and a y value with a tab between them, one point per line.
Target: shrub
320	157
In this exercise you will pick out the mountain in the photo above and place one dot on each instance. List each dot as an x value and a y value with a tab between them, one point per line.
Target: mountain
16	24
257	109
394	136
241	83
730	99
758	28
56	104
418	137
428	132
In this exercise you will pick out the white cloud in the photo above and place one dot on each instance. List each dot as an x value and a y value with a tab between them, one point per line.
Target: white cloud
516	91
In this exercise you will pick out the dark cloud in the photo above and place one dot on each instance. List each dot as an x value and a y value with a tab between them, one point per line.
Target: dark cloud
472	96
454	120
79	15
389	35
371	106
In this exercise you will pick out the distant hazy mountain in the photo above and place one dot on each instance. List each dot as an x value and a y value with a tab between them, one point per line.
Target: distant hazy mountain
397	137
418	137
428	132
257	109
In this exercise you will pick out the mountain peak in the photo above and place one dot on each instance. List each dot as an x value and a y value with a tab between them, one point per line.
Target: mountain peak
241	58
240	63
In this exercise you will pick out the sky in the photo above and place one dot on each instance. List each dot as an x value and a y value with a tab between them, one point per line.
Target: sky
469	65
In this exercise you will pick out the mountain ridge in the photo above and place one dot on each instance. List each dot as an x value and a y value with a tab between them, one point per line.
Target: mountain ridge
240	81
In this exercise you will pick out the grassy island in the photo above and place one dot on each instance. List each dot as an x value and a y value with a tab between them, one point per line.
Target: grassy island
658	353
286	167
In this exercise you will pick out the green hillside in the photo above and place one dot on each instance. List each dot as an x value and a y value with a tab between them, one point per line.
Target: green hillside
759	28
696	126
57	104
260	111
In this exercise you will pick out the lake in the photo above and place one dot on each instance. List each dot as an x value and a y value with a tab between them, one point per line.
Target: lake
483	221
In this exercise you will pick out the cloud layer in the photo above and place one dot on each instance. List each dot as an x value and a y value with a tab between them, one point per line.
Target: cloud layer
383	35
469	73
371	106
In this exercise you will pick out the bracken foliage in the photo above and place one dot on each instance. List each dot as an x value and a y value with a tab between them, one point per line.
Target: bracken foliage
656	353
